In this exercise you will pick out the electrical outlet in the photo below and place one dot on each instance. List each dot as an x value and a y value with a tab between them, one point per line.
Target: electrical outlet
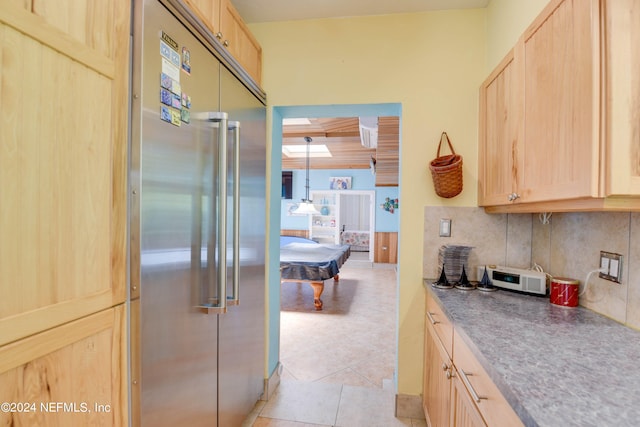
611	263
445	227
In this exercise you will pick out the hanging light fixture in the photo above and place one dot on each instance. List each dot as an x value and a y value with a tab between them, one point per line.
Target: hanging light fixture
306	206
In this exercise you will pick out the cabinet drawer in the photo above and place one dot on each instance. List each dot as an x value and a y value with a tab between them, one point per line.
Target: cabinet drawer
493	407
440	322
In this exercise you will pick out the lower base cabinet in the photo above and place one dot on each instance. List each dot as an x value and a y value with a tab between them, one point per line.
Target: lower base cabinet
464	412
457	391
437	380
485	396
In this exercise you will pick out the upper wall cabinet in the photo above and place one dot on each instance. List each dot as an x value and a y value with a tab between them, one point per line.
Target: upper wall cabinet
622	102
500	124
237	38
225	23
555	115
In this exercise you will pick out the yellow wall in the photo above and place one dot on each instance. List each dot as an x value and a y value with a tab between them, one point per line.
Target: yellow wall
506	21
432	63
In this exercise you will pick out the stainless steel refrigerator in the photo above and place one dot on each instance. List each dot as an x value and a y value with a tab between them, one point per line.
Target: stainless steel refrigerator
197	226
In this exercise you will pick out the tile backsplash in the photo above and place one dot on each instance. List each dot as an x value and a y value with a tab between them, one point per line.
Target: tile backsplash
568	246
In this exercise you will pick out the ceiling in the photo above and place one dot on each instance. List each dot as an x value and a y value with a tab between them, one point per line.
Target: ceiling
254	11
342	137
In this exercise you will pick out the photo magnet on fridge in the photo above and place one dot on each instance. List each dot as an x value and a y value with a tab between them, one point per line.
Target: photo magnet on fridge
186	60
165	96
165	113
175	101
165	81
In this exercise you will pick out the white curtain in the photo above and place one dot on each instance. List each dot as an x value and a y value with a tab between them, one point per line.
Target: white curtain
354	212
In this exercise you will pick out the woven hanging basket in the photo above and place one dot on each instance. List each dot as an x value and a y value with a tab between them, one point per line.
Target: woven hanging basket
446	171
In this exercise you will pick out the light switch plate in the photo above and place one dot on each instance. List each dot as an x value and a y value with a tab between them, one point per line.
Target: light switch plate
445	227
612	263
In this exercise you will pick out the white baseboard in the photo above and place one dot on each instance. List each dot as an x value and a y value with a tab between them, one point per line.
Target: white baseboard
271	384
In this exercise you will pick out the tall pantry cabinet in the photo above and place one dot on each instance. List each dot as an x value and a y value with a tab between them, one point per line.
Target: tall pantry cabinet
63	143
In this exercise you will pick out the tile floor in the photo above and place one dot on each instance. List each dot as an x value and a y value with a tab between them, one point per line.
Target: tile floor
338	363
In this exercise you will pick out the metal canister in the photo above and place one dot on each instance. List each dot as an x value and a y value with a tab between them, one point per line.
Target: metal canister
564	291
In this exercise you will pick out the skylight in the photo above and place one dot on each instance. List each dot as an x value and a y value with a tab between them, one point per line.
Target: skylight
318	150
296	121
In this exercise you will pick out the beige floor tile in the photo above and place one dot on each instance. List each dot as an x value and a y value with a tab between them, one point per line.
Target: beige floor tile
339	363
307	402
347	377
270	422
418	423
354	331
367	407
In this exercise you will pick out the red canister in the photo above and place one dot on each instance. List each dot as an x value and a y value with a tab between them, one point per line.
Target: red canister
564	291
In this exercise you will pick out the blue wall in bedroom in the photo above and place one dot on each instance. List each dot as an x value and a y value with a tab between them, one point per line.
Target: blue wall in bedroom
361	179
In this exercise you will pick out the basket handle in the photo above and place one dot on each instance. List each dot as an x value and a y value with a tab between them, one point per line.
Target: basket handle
445	136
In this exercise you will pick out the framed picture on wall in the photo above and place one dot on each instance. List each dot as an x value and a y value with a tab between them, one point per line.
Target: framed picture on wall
340	183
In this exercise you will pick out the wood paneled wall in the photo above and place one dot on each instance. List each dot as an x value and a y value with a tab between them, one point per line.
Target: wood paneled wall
386	247
296	233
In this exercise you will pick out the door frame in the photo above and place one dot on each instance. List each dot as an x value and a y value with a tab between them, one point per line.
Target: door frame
275	114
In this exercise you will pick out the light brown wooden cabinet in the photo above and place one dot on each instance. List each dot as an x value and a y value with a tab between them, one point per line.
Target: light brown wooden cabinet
500	124
240	42
72	375
224	21
463	410
436	400
457	391
621	101
554	115
481	391
63	149
63	157
208	11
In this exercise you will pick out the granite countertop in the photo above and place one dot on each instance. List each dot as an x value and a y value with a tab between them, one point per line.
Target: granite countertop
556	366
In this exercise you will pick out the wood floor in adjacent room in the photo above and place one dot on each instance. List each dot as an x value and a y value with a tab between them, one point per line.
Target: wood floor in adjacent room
338	363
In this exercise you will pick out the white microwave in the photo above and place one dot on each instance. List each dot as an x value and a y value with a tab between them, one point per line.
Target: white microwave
516	279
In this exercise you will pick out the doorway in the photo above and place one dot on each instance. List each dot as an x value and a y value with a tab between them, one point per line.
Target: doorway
357	222
274	297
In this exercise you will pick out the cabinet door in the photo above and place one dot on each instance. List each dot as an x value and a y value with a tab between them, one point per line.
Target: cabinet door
491	404
622	101
71	375
436	398
561	75
500	126
463	411
63	165
440	322
208	11
237	38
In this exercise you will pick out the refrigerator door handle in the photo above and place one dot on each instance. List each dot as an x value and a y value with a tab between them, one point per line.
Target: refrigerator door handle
220	120
234	299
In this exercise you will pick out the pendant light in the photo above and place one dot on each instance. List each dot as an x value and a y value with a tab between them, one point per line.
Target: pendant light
306	206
